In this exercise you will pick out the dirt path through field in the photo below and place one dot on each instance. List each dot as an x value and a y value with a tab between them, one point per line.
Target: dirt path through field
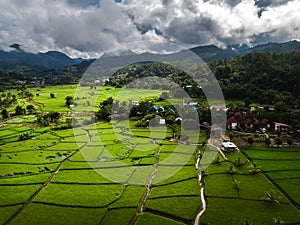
203	201
50	179
145	196
201	185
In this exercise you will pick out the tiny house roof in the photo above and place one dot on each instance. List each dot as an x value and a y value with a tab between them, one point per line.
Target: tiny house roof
229	145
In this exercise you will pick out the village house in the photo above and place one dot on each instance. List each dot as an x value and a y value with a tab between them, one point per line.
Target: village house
248	123
232	123
219	108
229	147
265	123
282	127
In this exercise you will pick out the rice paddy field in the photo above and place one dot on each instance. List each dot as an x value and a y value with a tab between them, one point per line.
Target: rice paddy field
238	195
72	179
116	173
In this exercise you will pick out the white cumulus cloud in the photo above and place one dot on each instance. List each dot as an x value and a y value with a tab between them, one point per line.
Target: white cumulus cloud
89	28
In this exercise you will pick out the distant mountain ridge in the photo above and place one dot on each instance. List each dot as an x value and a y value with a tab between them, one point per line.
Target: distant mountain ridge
31	63
212	53
39	61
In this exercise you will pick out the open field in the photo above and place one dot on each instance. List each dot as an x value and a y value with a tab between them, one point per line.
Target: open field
108	194
117	173
282	166
235	203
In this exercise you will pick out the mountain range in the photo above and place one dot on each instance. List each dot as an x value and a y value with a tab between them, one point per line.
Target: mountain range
18	60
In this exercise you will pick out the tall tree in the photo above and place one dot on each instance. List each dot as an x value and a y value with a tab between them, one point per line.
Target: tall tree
4	113
69	101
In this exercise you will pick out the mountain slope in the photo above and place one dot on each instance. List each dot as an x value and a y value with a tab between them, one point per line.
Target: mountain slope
40	61
30	63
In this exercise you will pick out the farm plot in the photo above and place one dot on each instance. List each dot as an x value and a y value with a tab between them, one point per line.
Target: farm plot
95	188
39	155
16	191
11	133
86	99
282	166
236	193
25	166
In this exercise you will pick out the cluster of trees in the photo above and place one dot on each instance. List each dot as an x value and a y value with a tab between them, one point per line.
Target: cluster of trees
104	112
130	74
8	79
25	93
263	77
46	119
7	99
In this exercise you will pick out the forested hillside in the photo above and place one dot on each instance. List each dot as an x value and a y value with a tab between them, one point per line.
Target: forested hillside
263	77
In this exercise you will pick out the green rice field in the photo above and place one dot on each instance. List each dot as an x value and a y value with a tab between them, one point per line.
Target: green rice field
114	173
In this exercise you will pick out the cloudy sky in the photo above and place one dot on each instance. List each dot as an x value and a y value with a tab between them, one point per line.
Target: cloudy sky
87	28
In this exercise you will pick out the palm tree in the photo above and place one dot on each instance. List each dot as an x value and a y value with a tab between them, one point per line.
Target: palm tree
236	185
231	170
271	196
277	221
238	162
254	168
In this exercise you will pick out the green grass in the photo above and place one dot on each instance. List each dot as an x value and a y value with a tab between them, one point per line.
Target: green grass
183	173
16	194
222	211
183	207
12	133
274	154
33	179
47	214
34	157
7	212
83	94
291	187
7	131
36	144
152	219
187	187
80	177
53	104
130	197
141	175
233	206
284	174
269	166
259	185
18	170
220	185
80	195
90	192
118	216
22	119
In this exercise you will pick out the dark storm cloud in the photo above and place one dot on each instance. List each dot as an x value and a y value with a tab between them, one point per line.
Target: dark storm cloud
201	30
220	22
83	3
266	3
86	28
